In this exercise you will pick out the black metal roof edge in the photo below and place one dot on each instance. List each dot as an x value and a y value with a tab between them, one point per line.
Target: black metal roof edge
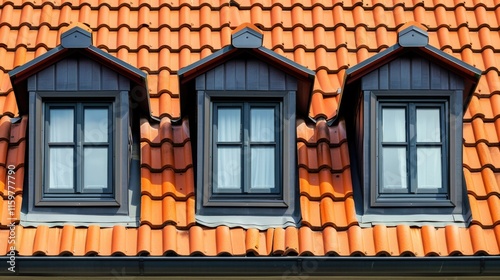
118	62
380	56
264	50
477	72
371	60
289	62
14	72
202	61
251	266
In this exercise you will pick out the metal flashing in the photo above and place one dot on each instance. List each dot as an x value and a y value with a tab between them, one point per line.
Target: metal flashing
76	38
247	38
413	37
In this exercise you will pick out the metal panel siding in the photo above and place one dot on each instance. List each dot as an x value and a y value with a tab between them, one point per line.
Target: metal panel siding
383	77
45	79
245	75
109	79
291	83
210	79
77	74
123	83
90	75
456	82
395	74
61	77
252	80
200	82
262	72
241	77
230	81
218	75
277	79
406	74
411	73
420	74
371	80
437	74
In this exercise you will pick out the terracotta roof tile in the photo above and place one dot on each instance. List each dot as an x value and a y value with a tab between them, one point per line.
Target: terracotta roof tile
160	37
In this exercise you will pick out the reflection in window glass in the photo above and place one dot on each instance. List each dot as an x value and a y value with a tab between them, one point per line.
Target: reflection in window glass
61	125
428	125
394	125
229	168
61	168
228	124
262	124
95	174
96	125
263	168
429	168
394	168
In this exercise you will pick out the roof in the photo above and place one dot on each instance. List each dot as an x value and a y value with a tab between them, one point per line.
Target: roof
328	37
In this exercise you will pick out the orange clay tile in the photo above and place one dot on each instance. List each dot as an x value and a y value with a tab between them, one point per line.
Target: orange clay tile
327	37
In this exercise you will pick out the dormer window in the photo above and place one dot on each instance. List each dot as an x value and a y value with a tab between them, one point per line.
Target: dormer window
412	147
77	99
403	110
242	103
78	149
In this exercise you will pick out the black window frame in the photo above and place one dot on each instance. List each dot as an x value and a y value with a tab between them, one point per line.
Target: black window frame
261	204
245	106
78	145
118	202
412	194
397	204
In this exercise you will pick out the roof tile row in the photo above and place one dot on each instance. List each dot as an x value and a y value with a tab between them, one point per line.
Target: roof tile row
379	240
160	37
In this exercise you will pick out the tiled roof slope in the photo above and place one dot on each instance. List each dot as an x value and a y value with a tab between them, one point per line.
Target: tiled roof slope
160	37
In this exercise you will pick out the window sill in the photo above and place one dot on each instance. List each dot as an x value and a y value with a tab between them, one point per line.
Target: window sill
416	202
37	219
245	203
259	222
436	220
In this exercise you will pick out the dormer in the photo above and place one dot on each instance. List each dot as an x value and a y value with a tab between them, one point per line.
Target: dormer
83	107
403	109
242	103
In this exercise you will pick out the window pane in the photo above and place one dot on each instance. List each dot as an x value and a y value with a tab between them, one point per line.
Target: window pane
394	168
393	124
263	168
228	124
96	124
61	168
429	174
262	124
95	168
229	168
428	125
61	125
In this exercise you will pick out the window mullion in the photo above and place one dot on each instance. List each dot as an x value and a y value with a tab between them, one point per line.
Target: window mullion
79	157
412	149
245	157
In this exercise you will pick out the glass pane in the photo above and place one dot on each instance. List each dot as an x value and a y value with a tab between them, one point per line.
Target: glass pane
61	125
61	168
229	168
95	168
228	124
394	168
394	125
429	174
263	168
96	124
428	125
262	124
